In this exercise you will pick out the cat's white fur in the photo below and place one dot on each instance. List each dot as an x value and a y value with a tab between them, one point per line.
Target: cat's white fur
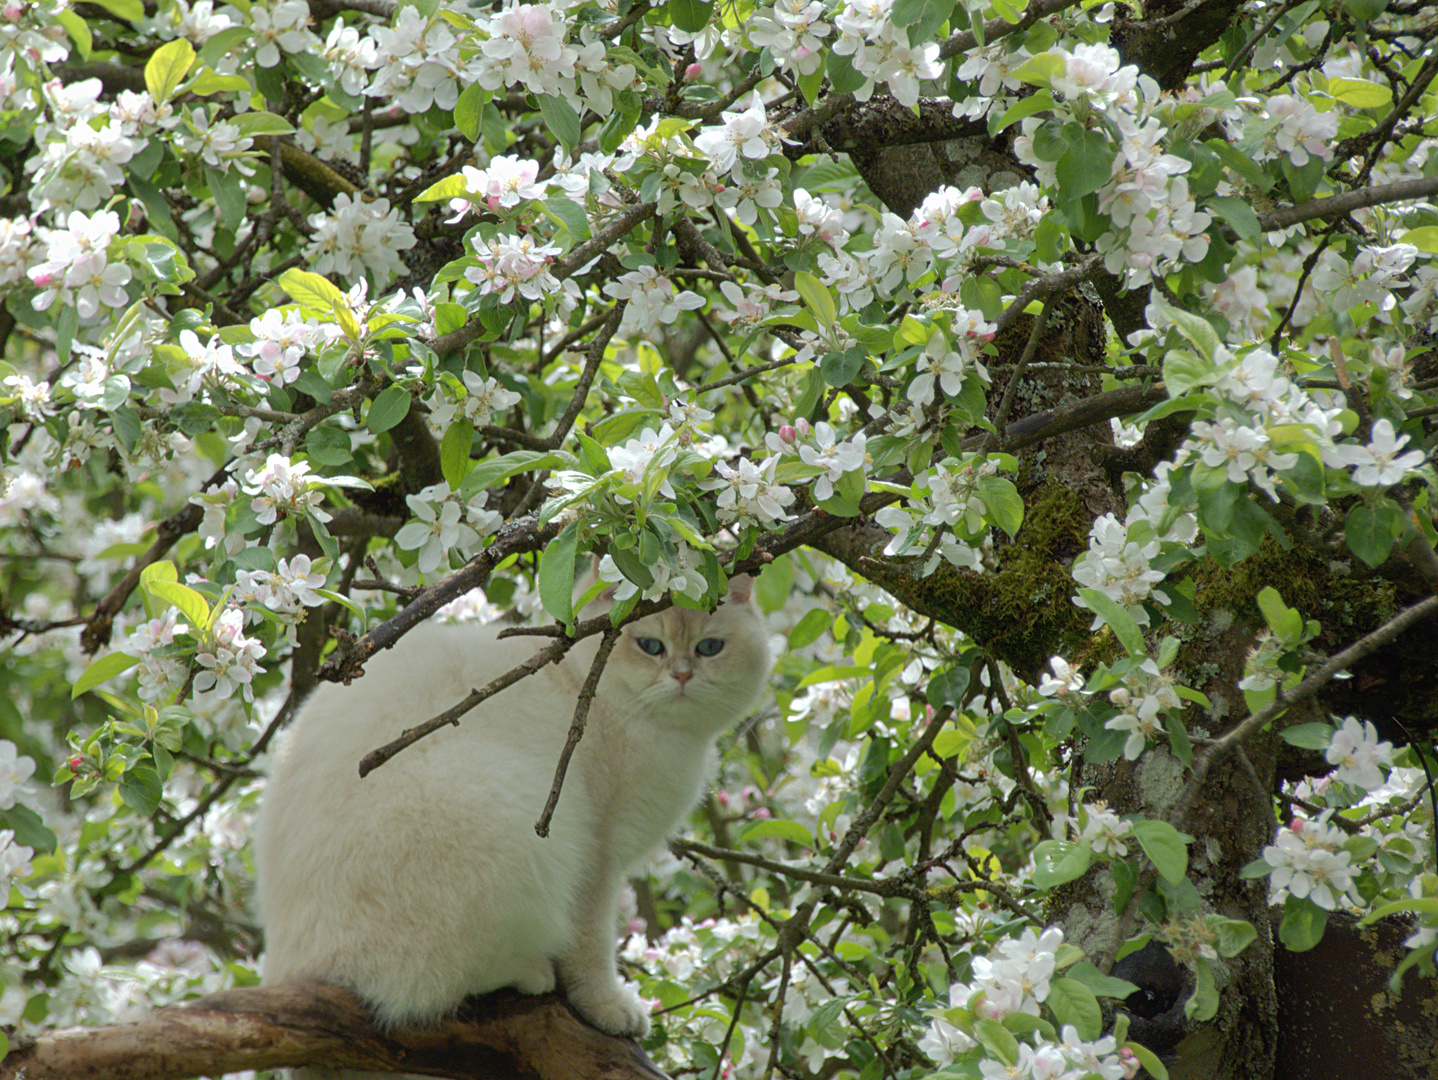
425	881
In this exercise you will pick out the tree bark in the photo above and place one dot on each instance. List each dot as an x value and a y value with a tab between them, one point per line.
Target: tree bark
500	1036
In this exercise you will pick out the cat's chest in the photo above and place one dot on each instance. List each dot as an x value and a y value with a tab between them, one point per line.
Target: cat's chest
642	782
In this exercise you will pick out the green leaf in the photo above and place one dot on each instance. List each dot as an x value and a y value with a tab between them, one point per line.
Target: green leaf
141	790
840	368
454	452
1282	619
259	122
132	11
1238	213
1360	93
190	604
229	195
997	1040
1178	741
817	298
808	629
556	574
1101	984
315	294
79	32
1314	736
468	108
1425	905
1149	1060
1040	71
1059	861
561	119
842	76
947	687
102	670
631	566
922	17
209	81
1086	166
329	446
1198	330
691	15
1002	500
1234	935
444	189
1370	533
388	409
1042	101
492	472
29	830
777	827
848	492
1164	845
166	69
343	601
1203	1004
1123	625
570	214
1074	1003
1125	879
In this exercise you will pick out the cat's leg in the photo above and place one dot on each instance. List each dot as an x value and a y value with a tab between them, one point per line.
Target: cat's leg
538	979
587	969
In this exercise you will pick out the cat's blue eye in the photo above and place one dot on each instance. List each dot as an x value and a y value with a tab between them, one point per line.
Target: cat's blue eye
710	646
651	646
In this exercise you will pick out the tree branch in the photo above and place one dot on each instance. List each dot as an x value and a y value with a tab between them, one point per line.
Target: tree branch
1349	201
500	1036
576	727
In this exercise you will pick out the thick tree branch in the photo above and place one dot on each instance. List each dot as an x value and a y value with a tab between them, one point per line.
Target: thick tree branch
1349	201
501	1036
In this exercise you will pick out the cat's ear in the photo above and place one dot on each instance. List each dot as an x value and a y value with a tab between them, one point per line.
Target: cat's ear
741	589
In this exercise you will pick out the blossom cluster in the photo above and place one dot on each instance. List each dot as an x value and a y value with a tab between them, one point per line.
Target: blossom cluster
358	236
1308	860
442	522
282	487
1120	568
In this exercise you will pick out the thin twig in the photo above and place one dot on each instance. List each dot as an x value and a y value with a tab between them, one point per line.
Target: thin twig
576	727
1006	406
450	717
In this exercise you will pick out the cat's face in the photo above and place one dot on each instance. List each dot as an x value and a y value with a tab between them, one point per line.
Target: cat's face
699	668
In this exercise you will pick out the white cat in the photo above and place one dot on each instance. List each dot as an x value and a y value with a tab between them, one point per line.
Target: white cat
425	881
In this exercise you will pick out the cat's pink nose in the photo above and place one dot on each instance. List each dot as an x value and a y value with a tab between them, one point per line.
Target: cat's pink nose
683	677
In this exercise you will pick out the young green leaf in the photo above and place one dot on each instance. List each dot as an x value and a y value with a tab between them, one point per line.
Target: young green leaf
556	574
166	69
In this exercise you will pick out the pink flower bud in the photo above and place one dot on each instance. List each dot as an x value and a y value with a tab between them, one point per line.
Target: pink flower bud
723	798
692	71
13	12
74	764
1296	825
787	434
762	813
803	427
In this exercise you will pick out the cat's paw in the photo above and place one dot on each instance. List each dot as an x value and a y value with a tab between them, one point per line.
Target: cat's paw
617	1009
